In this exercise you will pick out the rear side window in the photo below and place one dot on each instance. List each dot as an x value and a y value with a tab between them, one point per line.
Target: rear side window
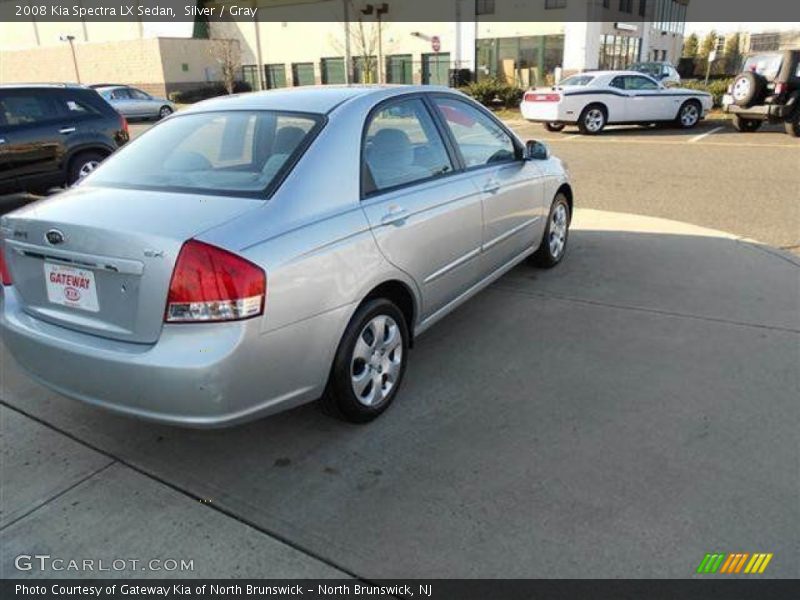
27	109
577	80
75	106
235	152
402	146
480	140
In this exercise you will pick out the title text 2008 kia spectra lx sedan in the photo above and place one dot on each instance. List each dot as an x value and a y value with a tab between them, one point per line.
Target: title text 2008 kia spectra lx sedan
256	252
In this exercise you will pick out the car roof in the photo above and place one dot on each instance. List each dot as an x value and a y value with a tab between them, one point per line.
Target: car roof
320	99
55	86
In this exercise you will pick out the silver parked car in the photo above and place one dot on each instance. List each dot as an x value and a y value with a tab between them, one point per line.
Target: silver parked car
132	103
261	251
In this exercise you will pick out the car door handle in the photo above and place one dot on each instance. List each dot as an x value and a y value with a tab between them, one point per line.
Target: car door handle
492	186
396	216
66	130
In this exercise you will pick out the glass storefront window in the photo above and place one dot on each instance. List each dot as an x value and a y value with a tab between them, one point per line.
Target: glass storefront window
618	51
524	61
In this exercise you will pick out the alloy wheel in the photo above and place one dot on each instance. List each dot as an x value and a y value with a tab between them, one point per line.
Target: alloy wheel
689	115
377	360
87	167
558	231
594	120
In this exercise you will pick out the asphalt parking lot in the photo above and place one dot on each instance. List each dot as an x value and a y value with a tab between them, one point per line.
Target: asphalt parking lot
619	416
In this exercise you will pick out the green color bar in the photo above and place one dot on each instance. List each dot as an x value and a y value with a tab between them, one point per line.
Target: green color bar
717	563
702	567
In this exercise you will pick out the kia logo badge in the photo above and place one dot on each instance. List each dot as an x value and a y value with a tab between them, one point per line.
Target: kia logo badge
54	236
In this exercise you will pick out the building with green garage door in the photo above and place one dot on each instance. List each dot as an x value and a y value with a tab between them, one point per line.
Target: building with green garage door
275	76
303	73
400	69
436	68
332	70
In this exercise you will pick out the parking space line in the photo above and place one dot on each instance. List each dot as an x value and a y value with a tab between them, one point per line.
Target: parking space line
593	140
697	138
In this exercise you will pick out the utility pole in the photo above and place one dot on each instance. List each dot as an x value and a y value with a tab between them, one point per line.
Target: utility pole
348	58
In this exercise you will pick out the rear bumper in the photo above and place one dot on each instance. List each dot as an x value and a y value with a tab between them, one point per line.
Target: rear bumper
198	375
762	112
546	112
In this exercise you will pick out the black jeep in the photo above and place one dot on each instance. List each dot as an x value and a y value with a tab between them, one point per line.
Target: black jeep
767	89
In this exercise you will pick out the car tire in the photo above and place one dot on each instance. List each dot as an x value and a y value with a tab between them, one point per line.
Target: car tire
373	352
747	89
593	119
82	164
554	126
792	124
164	112
745	125
689	114
556	234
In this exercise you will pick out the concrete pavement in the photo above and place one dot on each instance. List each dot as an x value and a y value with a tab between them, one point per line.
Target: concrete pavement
619	416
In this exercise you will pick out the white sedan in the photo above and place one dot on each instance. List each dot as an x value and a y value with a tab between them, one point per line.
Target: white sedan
596	99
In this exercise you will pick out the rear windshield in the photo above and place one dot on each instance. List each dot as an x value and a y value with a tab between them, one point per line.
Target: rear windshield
768	65
577	80
234	152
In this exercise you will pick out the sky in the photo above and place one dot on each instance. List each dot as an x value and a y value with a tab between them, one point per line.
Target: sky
733	26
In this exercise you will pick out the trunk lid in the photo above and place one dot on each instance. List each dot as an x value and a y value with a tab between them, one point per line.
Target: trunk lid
106	267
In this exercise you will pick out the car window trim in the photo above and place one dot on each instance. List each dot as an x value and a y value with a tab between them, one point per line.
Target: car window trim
364	172
518	149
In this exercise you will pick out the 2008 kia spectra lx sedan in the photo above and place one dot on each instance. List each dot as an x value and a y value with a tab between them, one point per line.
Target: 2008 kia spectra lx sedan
260	251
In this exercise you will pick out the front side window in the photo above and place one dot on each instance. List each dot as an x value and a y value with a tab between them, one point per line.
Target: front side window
640	83
22	109
480	140
121	94
402	146
233	152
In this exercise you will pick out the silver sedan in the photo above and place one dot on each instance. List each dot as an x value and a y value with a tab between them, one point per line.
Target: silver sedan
133	103
257	252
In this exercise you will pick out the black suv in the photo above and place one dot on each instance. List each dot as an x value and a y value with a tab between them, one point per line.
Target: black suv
767	89
53	134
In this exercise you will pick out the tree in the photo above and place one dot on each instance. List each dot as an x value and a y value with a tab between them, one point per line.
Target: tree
709	43
365	45
228	56
732	54
690	46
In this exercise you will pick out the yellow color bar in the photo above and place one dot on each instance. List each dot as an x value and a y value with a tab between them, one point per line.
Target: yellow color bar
754	563
765	563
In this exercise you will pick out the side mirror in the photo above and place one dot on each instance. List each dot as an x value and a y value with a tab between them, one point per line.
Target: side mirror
535	150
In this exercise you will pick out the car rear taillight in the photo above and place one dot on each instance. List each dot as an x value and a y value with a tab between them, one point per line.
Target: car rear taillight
123	123
5	274
539	97
212	284
781	87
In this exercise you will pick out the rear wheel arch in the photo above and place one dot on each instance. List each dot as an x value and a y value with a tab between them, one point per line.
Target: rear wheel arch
401	295
76	152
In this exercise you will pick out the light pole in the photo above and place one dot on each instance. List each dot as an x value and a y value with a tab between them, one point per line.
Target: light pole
379	11
71	40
